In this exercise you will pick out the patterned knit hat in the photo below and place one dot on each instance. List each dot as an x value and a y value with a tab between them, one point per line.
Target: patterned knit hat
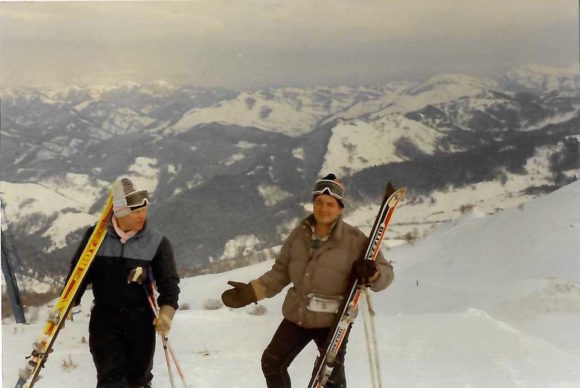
329	185
126	198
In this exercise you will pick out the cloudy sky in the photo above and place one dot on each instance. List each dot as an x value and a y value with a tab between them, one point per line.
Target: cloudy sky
251	43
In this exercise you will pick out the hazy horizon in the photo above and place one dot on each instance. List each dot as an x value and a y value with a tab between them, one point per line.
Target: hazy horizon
251	44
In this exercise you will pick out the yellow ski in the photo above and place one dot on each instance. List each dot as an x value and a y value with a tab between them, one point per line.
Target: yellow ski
56	319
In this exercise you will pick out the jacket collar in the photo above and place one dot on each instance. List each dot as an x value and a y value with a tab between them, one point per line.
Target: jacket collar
112	232
335	232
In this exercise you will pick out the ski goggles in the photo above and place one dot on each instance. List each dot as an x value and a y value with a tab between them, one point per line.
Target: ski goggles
326	186
137	199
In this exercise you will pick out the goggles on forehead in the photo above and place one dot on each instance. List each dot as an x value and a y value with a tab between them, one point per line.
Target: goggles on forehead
138	199
326	186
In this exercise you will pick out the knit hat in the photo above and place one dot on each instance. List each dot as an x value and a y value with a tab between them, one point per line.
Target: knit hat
126	198
329	185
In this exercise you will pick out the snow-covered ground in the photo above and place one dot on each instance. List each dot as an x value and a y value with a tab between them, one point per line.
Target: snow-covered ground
484	301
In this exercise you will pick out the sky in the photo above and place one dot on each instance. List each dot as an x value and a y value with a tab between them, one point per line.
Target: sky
251	44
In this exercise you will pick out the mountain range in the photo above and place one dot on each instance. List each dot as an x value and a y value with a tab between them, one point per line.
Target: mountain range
230	172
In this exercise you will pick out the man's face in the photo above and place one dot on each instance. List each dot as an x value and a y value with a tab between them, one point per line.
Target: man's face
326	209
134	220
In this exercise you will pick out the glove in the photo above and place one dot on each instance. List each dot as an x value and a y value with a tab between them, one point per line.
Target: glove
241	295
365	270
163	321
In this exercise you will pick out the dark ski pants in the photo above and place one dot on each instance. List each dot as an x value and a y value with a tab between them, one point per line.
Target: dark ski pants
122	343
288	341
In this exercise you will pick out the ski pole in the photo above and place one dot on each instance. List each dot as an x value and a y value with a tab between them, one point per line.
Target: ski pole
171	351
165	340
167	361
371	338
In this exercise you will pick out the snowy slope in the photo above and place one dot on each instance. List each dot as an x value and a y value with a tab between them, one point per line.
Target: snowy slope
438	89
357	144
366	106
290	111
68	199
422	213
404	97
522	266
266	115
537	241
540	77
496	306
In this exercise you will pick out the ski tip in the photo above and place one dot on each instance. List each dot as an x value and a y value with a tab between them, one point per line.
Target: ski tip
390	189
396	196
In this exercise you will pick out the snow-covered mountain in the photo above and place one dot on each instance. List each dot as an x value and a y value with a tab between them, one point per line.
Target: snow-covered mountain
496	112
290	111
484	301
541	78
237	166
357	144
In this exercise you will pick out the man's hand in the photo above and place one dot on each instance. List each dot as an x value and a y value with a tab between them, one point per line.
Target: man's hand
242	294
365	271
163	321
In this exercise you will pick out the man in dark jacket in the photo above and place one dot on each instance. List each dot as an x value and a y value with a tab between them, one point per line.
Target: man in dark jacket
122	324
319	258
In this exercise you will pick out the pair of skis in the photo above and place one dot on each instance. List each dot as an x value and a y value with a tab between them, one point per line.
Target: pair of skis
326	361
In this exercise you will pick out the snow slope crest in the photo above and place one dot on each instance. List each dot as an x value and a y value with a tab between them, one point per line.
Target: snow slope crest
536	241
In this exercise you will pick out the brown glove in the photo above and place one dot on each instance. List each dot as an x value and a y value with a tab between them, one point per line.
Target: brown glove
163	321
365	271
242	294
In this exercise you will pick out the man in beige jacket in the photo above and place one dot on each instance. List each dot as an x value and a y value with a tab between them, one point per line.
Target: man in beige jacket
319	258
